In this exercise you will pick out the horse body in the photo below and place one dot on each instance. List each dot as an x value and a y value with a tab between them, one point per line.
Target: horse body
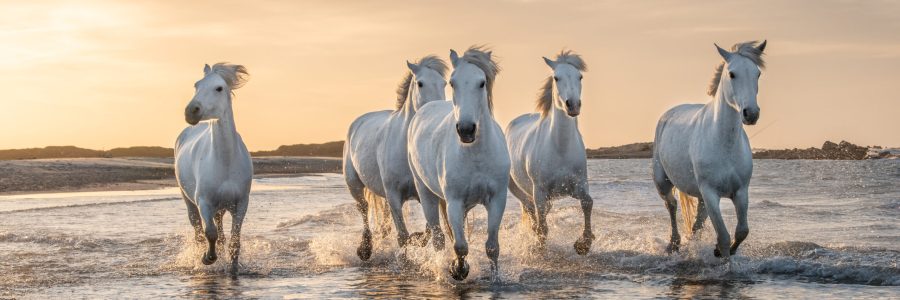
548	150
704	152
376	167
459	159
212	164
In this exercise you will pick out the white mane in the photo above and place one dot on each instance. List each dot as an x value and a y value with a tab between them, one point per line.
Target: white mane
545	96
234	75
431	62
745	49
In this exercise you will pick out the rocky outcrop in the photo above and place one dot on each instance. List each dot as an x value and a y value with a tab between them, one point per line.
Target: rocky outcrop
830	150
636	150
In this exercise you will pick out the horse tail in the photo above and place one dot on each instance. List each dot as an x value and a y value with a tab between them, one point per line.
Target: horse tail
447	228
688	205
379	214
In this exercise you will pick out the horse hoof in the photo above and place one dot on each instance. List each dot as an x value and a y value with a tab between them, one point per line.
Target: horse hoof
208	259
418	239
582	246
672	248
458	271
364	251
717	253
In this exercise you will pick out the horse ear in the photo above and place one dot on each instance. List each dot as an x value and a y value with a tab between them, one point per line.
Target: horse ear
762	46
412	67
549	62
724	53
489	53
206	69
454	58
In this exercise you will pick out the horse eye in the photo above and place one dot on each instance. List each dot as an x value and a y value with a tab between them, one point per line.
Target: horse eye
555	78
731	74
451	83
420	84
218	89
482	84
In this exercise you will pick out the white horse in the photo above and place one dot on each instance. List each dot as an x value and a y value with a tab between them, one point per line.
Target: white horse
703	151
459	159
212	165
549	157
375	157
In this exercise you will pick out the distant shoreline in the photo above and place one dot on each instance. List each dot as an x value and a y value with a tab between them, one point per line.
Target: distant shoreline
134	173
829	150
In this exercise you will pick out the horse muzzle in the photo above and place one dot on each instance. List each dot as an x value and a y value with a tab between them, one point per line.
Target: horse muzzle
192	114
573	108
466	132
750	116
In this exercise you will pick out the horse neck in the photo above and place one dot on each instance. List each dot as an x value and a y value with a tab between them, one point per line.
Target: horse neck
563	129
224	136
725	119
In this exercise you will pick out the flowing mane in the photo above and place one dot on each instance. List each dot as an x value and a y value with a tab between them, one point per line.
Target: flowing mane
234	75
480	57
431	62
748	50
545	95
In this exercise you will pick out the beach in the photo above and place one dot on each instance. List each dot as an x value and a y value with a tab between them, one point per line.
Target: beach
134	173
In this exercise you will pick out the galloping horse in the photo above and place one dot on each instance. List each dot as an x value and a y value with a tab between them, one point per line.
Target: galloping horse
703	151
459	158
212	165
549	160
376	166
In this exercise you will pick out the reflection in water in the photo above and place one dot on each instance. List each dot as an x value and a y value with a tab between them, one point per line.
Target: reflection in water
213	287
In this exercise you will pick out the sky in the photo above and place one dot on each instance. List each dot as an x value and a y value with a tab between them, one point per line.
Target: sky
105	74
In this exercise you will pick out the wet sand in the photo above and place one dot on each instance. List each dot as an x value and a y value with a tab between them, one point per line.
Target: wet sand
138	173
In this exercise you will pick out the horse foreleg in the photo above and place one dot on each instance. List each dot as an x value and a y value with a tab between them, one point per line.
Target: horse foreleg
541	208
396	206
194	218
456	214
430	207
702	214
208	214
741	201
495	209
364	251
711	198
583	244
237	220
220	239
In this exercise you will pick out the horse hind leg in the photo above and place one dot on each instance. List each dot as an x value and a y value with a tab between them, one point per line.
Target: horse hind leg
664	188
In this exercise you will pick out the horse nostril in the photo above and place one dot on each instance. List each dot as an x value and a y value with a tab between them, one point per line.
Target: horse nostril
195	109
746	113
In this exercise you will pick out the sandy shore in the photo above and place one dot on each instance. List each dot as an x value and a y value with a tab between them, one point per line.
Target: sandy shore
102	174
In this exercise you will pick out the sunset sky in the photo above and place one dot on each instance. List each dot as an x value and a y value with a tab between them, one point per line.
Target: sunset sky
104	74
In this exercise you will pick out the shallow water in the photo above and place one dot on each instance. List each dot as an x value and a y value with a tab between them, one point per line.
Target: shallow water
819	229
